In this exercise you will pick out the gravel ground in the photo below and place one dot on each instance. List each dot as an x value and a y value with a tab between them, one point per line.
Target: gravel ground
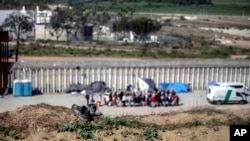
196	99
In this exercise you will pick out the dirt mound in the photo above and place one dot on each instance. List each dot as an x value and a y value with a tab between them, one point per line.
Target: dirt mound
43	121
35	118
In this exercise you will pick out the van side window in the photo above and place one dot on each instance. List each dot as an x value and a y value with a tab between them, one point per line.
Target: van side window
237	86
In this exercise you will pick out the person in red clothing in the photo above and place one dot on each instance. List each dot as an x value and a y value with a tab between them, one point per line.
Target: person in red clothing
175	99
153	99
169	98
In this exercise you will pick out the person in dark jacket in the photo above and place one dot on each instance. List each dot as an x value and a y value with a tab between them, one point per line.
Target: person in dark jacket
87	98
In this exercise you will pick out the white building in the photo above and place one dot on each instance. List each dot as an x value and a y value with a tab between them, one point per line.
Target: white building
43	17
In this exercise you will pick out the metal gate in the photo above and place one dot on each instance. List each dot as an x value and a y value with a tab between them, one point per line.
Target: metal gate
4	62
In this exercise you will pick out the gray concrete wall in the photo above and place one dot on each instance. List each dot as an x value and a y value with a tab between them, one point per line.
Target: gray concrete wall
52	77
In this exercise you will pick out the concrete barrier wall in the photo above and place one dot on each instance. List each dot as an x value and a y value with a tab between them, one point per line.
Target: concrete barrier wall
53	77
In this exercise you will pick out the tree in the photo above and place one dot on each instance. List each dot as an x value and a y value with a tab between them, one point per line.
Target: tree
98	16
19	24
75	21
121	25
141	26
69	20
58	22
13	4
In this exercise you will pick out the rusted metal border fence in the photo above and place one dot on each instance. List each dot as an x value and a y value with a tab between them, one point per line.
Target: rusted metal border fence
4	38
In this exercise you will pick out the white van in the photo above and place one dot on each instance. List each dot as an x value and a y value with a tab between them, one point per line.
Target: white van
219	95
238	86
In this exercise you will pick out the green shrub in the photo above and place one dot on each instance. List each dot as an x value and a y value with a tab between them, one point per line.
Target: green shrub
245	121
150	132
84	129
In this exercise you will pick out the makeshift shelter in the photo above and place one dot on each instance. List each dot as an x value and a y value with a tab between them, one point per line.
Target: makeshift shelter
146	84
74	88
98	86
175	86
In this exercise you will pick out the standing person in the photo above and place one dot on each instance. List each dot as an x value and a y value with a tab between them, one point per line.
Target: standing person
148	98
110	99
143	99
165	100
119	99
153	99
159	98
175	99
114	99
124	99
129	98
169	98
106	99
91	99
87	98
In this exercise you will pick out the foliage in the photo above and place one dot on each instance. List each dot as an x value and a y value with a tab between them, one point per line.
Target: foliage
150	132
121	25
179	2
194	123
193	137
57	22
74	21
245	121
98	15
119	121
149	8
15	135
12	4
19	24
84	129
141	26
189	43
2	139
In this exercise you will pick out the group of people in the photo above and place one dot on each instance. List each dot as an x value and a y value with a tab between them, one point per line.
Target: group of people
138	98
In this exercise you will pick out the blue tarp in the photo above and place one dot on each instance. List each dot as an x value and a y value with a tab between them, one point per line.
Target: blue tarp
164	85
211	83
175	86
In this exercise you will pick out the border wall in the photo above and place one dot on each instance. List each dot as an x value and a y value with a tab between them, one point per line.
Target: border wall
4	60
55	77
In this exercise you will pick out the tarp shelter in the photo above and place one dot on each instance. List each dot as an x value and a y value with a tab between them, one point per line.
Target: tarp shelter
146	84
92	88
98	86
74	88
175	86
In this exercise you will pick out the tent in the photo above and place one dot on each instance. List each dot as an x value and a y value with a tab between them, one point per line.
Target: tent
175	86
97	87
74	88
146	84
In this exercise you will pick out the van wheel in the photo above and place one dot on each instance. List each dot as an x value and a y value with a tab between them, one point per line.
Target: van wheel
242	102
219	102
